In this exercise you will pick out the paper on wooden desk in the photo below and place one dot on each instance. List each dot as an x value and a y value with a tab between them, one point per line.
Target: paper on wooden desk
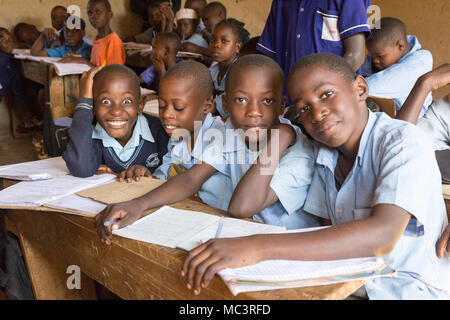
121	191
35	170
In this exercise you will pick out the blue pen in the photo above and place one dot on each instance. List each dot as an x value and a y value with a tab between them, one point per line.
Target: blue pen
108	223
219	228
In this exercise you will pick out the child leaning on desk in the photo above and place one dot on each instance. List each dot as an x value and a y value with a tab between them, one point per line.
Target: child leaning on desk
124	141
368	180
254	98
74	32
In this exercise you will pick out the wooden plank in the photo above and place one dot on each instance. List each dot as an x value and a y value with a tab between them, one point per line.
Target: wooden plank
71	92
56	95
33	70
386	105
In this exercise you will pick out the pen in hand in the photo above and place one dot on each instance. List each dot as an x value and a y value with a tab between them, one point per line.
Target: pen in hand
111	222
219	228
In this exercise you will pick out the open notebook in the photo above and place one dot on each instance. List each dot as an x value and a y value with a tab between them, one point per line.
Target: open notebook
35	170
62	69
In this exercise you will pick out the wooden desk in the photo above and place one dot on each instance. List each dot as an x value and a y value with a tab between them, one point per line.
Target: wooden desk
135	59
131	269
61	92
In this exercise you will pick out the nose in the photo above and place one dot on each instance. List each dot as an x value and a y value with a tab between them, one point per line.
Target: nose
166	113
318	113
254	110
116	109
375	60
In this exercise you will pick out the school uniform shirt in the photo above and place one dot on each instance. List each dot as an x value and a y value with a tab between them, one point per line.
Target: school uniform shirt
108	50
219	88
150	76
436	123
197	39
235	158
296	28
60	52
394	165
10	78
397	81
90	146
212	190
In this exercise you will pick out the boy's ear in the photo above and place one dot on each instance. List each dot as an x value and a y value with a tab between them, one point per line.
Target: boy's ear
361	86
142	103
238	47
209	106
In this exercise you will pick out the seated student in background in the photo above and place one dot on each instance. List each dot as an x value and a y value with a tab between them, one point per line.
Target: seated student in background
187	22
74	43
254	97
56	39
368	180
213	13
26	34
198	6
154	23
107	48
394	63
226	41
185	102
10	77
123	141
163	57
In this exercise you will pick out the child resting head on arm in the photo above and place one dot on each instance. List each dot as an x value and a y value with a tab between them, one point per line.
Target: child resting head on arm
124	141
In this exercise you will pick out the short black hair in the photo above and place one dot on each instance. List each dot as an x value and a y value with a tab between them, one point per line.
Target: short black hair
58	7
238	29
390	32
123	70
82	22
171	40
195	71
331	61
250	47
216	5
18	29
105	2
254	60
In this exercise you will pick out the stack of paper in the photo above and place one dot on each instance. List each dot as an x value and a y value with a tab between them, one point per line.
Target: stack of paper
184	229
36	193
186	54
63	69
35	170
75	204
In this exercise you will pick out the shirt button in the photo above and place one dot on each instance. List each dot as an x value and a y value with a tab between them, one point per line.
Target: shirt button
339	210
298	36
301	9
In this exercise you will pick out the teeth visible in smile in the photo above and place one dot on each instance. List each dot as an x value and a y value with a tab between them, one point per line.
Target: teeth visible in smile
170	127
116	123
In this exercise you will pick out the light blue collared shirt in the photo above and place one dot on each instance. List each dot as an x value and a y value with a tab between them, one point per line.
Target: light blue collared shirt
236	158
212	190
397	81
197	39
219	88
394	165
141	129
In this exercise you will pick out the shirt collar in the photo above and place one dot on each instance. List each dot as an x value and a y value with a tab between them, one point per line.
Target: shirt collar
414	44
141	129
327	156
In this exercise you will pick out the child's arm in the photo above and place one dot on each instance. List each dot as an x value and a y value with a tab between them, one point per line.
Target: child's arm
354	47
38	47
82	157
167	17
374	236
432	80
243	206
176	189
74	59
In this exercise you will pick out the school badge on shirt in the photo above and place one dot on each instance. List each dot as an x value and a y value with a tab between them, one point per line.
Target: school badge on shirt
152	160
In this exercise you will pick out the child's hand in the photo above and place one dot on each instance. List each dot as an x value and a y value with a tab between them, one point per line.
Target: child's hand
104	169
443	243
206	260
134	172
87	81
123	214
167	14
158	65
49	34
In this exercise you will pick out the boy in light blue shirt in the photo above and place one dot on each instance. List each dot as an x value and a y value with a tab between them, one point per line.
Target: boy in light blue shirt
395	62
369	181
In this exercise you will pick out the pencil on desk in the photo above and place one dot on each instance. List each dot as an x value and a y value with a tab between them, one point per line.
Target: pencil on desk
219	228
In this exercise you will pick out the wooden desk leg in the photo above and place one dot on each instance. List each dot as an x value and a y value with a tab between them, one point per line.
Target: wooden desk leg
48	274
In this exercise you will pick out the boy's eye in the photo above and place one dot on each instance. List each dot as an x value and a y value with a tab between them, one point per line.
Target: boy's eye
304	109
240	100
127	101
268	101
327	94
105	101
